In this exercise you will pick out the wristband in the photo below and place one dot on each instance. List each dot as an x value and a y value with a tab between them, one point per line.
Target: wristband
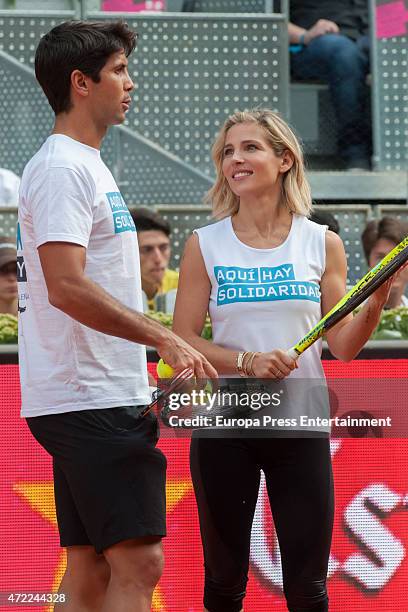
302	39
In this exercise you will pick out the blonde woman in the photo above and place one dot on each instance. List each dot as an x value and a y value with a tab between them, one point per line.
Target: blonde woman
266	274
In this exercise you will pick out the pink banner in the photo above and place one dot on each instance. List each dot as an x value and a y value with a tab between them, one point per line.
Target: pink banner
127	6
392	19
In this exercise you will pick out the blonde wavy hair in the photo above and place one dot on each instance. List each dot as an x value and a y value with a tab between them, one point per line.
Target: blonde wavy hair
296	193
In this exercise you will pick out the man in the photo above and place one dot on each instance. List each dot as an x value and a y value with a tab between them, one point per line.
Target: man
8	276
153	234
379	238
81	332
330	42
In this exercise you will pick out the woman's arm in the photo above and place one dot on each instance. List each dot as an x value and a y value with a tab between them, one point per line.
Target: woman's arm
347	338
193	296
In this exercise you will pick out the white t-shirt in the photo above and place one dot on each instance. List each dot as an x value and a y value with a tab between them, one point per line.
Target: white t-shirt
68	194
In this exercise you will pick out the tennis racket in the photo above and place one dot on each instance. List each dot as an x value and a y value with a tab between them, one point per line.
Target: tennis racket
161	395
356	296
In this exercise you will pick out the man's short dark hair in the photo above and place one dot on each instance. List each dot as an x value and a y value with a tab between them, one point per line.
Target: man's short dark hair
78	45
146	219
389	228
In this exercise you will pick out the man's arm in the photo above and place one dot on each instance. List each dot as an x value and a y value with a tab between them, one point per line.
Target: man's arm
71	291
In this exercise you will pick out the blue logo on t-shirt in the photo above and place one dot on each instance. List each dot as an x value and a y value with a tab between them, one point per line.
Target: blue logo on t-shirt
264	284
122	219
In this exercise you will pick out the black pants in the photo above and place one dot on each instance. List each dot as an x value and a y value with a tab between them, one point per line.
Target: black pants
226	476
344	64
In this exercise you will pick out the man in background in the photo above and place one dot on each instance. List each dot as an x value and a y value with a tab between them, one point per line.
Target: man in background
379	238
153	233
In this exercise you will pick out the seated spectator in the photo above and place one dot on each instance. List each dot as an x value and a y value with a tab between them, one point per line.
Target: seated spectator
8	277
9	186
329	42
324	217
378	238
153	234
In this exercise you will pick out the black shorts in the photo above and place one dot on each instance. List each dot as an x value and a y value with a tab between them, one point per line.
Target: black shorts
109	478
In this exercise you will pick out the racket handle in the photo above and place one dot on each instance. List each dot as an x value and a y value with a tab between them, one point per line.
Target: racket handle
293	354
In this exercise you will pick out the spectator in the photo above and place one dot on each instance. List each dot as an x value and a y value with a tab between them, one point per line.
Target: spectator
8	276
324	217
153	234
9	186
378	238
332	45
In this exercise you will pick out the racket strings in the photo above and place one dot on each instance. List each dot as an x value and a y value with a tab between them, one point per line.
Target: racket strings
160	395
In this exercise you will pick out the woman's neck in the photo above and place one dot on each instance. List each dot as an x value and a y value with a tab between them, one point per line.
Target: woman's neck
263	216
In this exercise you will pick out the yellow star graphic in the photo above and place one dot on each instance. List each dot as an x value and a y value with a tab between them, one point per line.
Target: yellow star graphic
40	497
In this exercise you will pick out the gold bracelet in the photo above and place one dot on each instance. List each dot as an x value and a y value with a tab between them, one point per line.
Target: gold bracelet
244	357
240	360
245	361
249	366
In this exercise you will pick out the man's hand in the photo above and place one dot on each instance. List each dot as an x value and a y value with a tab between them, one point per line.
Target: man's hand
323	26
179	355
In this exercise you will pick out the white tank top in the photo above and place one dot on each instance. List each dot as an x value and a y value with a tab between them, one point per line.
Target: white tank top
263	299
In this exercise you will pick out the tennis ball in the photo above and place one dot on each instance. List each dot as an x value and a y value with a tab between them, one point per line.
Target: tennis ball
164	370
